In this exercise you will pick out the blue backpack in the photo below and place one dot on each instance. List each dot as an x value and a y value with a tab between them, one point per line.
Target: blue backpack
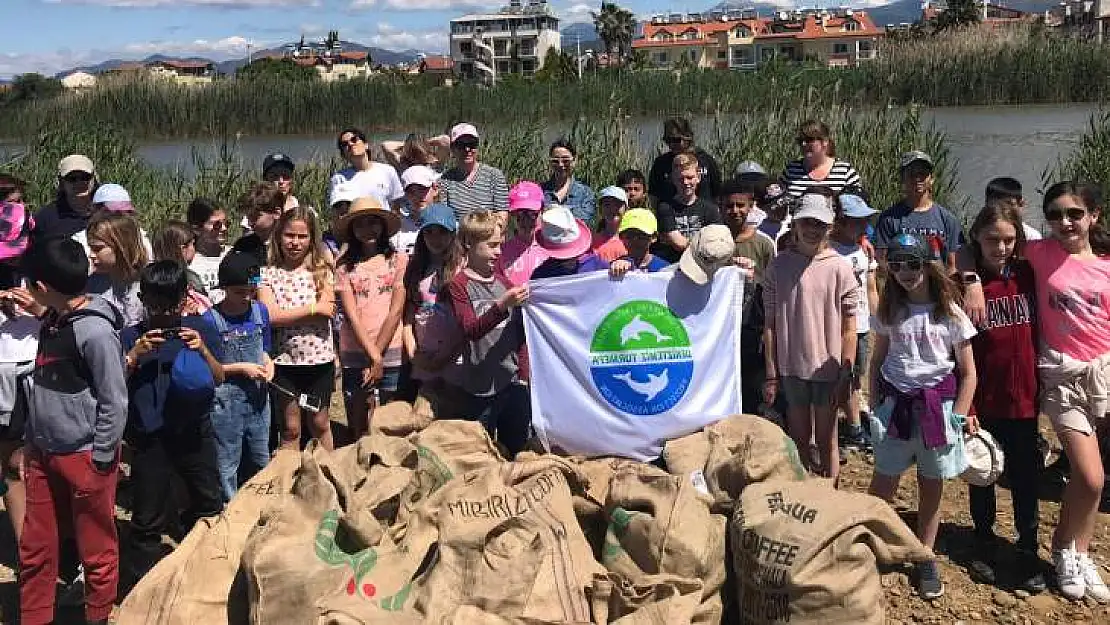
181	391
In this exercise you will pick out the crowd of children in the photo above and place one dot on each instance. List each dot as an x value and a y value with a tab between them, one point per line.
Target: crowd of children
199	358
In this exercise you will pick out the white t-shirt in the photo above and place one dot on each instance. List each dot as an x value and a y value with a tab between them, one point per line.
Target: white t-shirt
862	266
921	350
380	181
405	239
208	268
1031	233
19	338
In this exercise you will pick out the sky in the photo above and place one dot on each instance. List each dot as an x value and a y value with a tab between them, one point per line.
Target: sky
57	35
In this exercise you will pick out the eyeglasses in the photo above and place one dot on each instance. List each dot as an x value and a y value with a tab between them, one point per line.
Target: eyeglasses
1073	213
78	176
465	144
899	266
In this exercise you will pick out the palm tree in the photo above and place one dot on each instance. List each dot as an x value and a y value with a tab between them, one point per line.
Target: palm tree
958	14
615	26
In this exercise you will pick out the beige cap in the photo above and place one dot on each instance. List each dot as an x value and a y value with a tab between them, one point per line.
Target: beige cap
75	162
710	248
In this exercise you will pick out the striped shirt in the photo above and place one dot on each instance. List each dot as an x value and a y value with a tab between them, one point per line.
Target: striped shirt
841	175
486	191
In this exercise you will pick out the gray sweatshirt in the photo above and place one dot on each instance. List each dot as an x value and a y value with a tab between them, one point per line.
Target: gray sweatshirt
78	394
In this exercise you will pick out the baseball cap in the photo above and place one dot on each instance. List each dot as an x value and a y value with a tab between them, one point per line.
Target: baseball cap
614	192
748	168
855	207
114	198
439	214
908	247
15	229
239	269
525	196
462	130
419	174
916	156
639	219
75	162
561	235
710	248
275	159
813	206
343	192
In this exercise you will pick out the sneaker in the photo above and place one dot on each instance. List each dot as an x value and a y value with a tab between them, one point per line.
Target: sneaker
1031	571
1069	573
856	440
929	586
843	455
1096	588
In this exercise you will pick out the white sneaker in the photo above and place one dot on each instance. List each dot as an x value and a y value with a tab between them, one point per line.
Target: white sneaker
1069	573
1096	588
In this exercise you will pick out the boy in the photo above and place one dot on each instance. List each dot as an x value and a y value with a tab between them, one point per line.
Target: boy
494	365
779	205
684	214
170	399
848	230
421	188
77	411
919	215
241	411
635	187
1009	191
637	231
262	205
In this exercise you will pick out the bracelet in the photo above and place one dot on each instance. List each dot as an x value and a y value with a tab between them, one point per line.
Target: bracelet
770	380
312	309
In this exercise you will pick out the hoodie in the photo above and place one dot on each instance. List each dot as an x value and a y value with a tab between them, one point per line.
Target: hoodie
805	300
78	399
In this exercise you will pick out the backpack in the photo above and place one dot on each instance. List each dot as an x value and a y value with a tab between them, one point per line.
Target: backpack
180	389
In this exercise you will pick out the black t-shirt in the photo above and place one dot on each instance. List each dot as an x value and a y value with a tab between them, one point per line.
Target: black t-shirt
254	245
659	180
686	220
57	220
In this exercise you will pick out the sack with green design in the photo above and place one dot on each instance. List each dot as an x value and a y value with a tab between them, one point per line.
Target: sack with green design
724	458
803	552
660	524
194	584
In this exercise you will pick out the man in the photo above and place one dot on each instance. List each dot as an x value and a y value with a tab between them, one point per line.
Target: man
366	177
69	213
472	186
919	215
679	137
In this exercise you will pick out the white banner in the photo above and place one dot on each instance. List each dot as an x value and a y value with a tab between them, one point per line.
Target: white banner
621	366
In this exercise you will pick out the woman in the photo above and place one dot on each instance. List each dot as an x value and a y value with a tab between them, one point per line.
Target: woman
69	213
562	188
818	166
210	224
471	185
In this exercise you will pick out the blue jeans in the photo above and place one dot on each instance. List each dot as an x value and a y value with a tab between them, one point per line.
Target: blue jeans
241	420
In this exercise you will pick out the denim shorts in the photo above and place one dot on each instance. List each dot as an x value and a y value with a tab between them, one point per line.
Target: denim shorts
894	455
799	392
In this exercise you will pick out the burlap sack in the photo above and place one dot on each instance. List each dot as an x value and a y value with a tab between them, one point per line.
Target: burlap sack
725	457
803	552
661	524
194	584
400	418
652	600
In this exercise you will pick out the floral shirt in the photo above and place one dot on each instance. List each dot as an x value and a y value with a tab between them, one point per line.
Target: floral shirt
308	342
372	283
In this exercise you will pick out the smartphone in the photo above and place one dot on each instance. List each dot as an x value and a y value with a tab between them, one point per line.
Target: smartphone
170	334
309	402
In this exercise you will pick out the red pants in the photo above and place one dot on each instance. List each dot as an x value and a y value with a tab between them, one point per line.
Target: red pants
67	486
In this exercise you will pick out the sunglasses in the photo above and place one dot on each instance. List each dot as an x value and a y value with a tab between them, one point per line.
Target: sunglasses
465	144
78	176
561	161
216	225
673	139
352	140
1057	214
906	265
274	176
805	140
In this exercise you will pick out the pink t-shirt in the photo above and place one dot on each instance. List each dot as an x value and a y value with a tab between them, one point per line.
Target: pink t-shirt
1073	300
433	327
372	283
608	248
519	258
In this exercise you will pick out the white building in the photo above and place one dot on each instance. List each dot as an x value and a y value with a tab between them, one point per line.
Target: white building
512	41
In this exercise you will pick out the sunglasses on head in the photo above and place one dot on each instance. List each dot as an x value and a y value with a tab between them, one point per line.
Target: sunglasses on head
906	265
465	144
78	176
1073	213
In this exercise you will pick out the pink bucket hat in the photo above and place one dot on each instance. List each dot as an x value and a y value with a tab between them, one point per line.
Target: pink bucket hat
15	229
561	235
525	196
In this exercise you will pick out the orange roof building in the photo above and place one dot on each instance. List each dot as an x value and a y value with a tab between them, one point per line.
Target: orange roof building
837	38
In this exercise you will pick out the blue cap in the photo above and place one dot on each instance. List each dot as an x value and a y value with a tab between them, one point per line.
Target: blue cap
855	207
909	247
439	214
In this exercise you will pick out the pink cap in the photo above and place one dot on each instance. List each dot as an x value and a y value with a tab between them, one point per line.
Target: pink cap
463	130
526	196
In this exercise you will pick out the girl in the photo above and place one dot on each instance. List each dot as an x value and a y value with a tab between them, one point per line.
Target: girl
918	405
298	290
369	279
1006	393
608	244
810	295
176	241
117	255
428	333
209	223
520	255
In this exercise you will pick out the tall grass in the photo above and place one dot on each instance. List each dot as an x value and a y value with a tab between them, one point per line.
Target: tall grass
1090	162
978	66
871	140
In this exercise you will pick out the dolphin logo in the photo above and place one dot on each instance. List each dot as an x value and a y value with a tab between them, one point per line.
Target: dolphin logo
655	384
637	327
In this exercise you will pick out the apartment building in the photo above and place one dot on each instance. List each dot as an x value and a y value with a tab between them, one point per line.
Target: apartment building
183	72
514	40
745	40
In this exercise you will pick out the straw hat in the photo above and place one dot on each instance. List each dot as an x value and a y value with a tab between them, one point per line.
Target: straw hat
367	206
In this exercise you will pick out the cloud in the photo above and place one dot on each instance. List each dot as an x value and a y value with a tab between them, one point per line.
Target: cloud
50	63
427	5
391	38
577	13
227	4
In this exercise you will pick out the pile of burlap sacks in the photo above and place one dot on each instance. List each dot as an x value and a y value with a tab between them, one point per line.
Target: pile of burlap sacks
424	521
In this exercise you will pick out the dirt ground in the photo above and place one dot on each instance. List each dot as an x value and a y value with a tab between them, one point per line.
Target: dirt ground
965	601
